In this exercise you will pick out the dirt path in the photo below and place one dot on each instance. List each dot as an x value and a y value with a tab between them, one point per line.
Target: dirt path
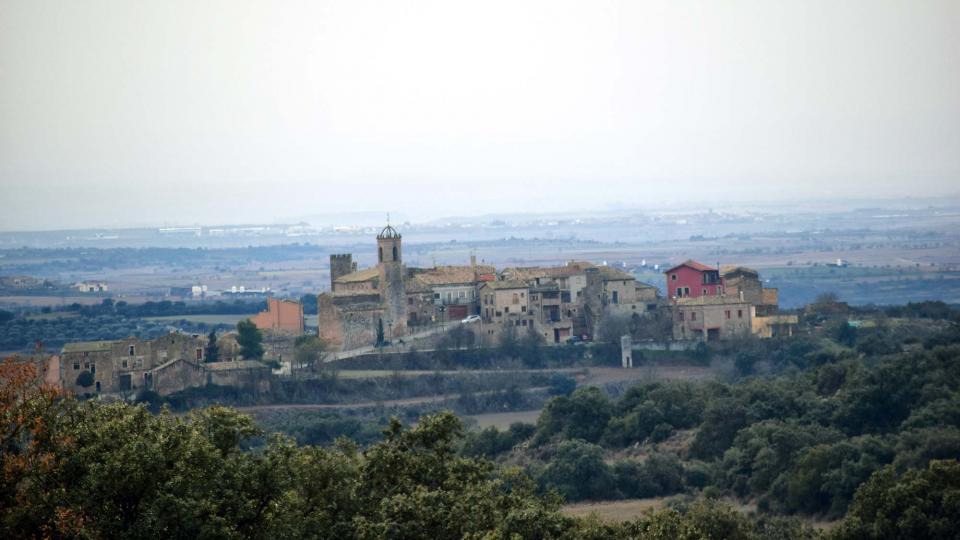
603	375
369	404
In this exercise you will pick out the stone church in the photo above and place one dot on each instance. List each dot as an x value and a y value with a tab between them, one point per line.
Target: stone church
402	298
348	316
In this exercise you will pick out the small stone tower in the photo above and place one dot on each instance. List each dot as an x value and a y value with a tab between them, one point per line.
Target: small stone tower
341	265
392	292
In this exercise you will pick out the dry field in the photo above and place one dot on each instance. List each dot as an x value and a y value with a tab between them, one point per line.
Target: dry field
616	510
504	420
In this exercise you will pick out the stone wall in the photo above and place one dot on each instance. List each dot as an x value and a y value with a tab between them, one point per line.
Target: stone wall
349	322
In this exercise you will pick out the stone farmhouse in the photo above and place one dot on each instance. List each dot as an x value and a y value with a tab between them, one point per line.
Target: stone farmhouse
710	303
165	365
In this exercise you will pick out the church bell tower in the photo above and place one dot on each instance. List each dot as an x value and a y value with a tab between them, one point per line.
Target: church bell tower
391	271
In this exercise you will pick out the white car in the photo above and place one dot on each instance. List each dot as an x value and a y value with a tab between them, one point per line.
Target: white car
470	319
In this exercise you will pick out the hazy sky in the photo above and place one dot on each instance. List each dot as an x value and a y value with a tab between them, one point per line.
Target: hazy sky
194	111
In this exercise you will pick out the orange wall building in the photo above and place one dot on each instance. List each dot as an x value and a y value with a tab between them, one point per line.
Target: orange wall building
281	316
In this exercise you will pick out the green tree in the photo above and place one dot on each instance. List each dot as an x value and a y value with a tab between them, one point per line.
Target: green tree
722	419
578	472
213	351
531	348
508	342
309	352
582	415
250	339
381	340
919	504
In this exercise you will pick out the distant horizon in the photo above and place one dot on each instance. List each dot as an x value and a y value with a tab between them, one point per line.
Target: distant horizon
372	218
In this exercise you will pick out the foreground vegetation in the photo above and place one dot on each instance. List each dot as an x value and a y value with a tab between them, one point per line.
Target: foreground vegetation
100	470
856	421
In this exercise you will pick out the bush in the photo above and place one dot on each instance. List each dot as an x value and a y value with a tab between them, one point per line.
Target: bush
577	471
85	379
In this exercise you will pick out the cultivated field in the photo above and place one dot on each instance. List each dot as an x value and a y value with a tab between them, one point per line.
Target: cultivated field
230	320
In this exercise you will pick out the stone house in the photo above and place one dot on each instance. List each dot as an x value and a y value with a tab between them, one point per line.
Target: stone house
710	318
165	365
737	304
125	365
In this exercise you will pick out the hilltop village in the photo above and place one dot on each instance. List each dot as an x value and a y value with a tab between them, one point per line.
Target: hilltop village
394	304
559	303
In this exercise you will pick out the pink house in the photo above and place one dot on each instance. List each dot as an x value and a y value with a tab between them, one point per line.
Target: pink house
691	279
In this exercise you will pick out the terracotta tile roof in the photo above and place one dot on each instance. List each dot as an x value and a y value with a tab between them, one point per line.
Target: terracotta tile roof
506	284
690	263
87	346
727	270
608	273
525	273
366	274
415	285
451	275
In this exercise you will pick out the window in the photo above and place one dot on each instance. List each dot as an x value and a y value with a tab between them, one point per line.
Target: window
499	314
616	297
524	322
380	253
76	366
436	296
693	316
673	277
739	313
686	291
199	354
132	350
409	301
93	369
681	315
463	294
506	309
395	256
125	364
704	293
727	313
522	295
516	298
